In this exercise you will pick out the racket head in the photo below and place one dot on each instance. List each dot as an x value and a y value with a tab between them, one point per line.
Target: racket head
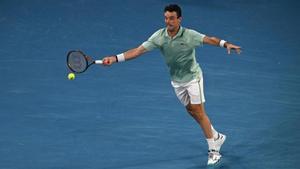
77	61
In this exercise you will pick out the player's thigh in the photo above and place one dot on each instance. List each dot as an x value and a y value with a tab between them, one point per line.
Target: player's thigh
182	95
196	92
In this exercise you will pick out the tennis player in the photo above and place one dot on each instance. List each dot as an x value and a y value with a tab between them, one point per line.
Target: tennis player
177	44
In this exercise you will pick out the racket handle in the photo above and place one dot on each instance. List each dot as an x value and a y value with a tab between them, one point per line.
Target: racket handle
98	61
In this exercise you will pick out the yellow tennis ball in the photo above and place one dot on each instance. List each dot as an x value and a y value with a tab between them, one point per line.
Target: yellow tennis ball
71	76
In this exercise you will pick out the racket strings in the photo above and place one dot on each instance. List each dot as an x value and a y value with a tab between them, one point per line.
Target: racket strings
77	62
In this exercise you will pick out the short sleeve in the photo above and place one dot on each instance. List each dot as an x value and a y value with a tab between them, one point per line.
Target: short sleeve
152	42
197	38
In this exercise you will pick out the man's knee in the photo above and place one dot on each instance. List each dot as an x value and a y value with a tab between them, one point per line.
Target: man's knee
195	109
189	109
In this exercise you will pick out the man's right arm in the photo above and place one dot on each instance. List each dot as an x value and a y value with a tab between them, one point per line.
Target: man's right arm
128	55
149	45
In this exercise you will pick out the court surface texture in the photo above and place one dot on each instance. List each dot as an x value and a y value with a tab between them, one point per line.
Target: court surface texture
127	116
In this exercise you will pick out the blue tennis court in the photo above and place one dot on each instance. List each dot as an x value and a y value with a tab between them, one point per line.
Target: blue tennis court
127	116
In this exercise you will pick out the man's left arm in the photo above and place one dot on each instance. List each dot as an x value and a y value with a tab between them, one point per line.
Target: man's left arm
222	43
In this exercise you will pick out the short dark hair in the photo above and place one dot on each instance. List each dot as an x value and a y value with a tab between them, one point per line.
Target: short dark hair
172	8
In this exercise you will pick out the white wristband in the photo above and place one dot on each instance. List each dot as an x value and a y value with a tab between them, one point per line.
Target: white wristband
121	57
222	42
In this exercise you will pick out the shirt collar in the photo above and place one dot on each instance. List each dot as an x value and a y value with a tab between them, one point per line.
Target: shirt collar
178	33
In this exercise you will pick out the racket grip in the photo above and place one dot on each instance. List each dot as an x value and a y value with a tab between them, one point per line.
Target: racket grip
98	61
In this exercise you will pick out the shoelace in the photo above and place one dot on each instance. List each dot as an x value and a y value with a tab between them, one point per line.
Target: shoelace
217	137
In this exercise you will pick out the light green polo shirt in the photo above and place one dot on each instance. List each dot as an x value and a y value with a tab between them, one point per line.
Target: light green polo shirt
179	52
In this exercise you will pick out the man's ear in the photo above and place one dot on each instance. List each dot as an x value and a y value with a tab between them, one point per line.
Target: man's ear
180	19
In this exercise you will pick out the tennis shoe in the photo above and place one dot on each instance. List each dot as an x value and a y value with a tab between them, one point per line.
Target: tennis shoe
219	141
214	157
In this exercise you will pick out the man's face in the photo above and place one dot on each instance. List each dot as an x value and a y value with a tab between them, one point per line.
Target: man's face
172	21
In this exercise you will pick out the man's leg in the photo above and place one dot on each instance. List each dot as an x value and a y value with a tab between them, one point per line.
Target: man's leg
192	96
214	141
197	111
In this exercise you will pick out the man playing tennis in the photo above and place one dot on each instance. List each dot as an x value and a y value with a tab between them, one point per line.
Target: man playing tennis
177	44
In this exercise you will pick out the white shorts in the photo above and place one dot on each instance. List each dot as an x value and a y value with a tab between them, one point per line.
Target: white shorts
190	92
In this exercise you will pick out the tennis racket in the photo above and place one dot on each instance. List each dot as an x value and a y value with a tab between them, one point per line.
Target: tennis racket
78	62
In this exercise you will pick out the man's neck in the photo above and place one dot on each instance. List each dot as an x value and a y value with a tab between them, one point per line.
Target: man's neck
173	33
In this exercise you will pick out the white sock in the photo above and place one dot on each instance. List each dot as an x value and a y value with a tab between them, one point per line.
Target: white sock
211	143
214	132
